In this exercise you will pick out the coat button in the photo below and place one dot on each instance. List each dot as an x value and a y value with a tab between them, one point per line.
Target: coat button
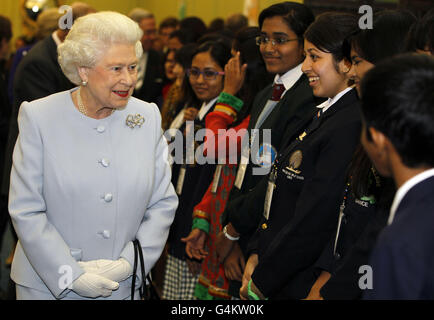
100	129
264	226
337	255
106	234
105	162
108	197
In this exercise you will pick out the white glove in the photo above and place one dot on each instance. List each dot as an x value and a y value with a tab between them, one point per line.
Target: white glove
92	286
115	270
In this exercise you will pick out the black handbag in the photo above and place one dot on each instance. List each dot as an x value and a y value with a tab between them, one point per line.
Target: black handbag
147	292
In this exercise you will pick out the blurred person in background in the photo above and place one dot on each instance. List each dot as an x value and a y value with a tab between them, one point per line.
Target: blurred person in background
150	79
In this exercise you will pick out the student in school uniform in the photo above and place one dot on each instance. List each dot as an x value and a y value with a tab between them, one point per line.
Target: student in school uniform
367	195
398	136
307	179
206	81
279	107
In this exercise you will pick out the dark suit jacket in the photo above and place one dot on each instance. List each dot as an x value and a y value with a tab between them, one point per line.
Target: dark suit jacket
358	234
196	182
38	75
297	106
403	261
305	204
151	90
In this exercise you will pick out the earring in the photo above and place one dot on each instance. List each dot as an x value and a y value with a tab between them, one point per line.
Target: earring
84	83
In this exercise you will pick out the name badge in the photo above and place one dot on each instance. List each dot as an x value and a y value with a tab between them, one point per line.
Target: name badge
242	167
181	178
268	199
216	179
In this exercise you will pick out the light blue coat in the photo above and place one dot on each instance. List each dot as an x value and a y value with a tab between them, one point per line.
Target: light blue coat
83	189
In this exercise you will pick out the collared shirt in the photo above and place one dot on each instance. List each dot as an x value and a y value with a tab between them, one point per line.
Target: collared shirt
56	38
330	101
205	107
289	78
405	188
141	70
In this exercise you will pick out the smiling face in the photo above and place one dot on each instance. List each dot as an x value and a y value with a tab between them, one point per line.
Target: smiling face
320	68
206	90
112	80
359	68
280	58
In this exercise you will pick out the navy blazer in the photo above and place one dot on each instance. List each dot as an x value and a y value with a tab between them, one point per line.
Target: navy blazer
403	260
305	203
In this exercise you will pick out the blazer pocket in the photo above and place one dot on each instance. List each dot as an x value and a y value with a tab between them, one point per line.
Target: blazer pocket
76	254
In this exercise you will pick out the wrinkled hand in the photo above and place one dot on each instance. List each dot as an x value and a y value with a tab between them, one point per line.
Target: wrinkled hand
223	247
190	114
194	266
235	74
195	244
115	270
234	264
251	264
92	286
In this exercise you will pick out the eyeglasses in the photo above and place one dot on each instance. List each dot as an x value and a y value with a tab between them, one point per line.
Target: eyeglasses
207	74
263	40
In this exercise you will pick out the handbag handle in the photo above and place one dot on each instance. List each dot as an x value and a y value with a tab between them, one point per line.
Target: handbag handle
138	253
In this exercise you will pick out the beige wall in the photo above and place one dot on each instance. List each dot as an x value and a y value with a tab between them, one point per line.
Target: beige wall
206	9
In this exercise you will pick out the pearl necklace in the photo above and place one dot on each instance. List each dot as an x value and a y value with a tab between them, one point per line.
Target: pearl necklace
81	106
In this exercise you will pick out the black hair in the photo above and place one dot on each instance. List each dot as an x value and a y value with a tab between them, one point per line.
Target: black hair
195	26
330	31
216	25
236	22
5	28
219	49
184	36
398	101
386	38
257	76
169	22
421	35
184	56
297	16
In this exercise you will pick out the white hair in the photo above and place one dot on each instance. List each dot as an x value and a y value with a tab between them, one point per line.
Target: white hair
91	35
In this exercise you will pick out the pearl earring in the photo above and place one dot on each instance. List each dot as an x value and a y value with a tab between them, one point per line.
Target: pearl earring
84	83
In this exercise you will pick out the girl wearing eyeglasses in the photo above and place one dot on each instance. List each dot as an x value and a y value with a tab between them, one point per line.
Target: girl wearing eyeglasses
204	83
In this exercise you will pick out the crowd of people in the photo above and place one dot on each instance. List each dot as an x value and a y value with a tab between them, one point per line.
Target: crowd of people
311	158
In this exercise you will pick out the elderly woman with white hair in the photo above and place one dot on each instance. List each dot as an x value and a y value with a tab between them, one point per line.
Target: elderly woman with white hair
90	172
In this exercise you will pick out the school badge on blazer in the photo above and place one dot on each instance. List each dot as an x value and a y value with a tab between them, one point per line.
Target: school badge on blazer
295	161
266	155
